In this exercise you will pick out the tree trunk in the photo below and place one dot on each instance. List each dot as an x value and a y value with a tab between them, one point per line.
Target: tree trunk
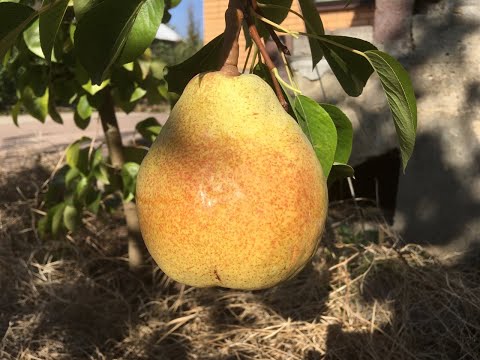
393	25
113	137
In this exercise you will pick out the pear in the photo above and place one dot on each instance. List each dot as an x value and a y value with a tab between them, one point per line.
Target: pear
231	193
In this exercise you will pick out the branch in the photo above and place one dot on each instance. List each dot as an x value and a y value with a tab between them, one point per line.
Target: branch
266	57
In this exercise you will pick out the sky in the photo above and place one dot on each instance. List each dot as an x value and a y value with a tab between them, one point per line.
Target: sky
179	19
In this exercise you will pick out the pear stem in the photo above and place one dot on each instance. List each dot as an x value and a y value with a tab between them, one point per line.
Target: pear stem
233	25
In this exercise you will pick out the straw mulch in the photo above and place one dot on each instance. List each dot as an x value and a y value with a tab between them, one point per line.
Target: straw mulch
363	297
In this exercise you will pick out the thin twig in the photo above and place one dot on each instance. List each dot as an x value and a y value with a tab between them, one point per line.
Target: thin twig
248	58
266	57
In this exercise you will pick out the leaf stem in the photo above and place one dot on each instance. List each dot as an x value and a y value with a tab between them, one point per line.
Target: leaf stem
275	25
289	71
288	86
314	36
331	42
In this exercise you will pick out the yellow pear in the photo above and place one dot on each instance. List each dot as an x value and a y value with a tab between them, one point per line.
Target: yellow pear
231	193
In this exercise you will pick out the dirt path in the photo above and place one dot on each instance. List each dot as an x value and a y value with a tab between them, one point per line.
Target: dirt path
34	137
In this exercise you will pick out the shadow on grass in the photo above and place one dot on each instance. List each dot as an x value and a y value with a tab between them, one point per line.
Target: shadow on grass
434	312
72	298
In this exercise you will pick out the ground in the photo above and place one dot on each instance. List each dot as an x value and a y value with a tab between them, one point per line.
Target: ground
365	295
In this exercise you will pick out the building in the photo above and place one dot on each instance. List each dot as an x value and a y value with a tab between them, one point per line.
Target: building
335	15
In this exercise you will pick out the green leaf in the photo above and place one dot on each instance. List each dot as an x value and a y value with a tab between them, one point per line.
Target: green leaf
149	129
276	12
319	128
83	113
134	154
71	217
144	29
35	104
101	174
129	179
137	94
314	26
401	99
82	189
43	226
340	171
157	67
14	18
143	67
72	174
93	89
50	22
344	133
94	204
80	7
32	39
172	3
77	157
129	66
97	158
57	218
15	112
126	30
207	58
52	110
352	70
280	12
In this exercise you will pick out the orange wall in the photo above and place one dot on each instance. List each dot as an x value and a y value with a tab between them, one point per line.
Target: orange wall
214	22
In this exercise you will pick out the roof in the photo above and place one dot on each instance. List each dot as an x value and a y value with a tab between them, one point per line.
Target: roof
166	33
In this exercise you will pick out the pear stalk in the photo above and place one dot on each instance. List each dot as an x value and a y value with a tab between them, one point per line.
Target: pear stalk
233	24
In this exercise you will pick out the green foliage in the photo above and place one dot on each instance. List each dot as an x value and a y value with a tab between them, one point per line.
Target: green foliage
82	185
401	98
14	18
314	26
276	11
126	32
320	129
344	131
351	69
7	90
149	129
207	59
88	184
129	180
49	25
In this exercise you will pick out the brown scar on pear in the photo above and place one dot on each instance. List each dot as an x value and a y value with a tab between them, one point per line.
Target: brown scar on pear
215	272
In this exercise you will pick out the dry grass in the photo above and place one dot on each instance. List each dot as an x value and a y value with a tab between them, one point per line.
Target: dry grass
361	298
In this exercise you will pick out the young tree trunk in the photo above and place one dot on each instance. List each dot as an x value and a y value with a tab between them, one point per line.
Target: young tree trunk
393	25
113	137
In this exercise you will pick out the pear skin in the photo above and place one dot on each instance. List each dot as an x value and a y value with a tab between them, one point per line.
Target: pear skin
231	193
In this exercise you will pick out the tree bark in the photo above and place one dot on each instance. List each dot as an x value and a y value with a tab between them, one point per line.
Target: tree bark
393	25
113	138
